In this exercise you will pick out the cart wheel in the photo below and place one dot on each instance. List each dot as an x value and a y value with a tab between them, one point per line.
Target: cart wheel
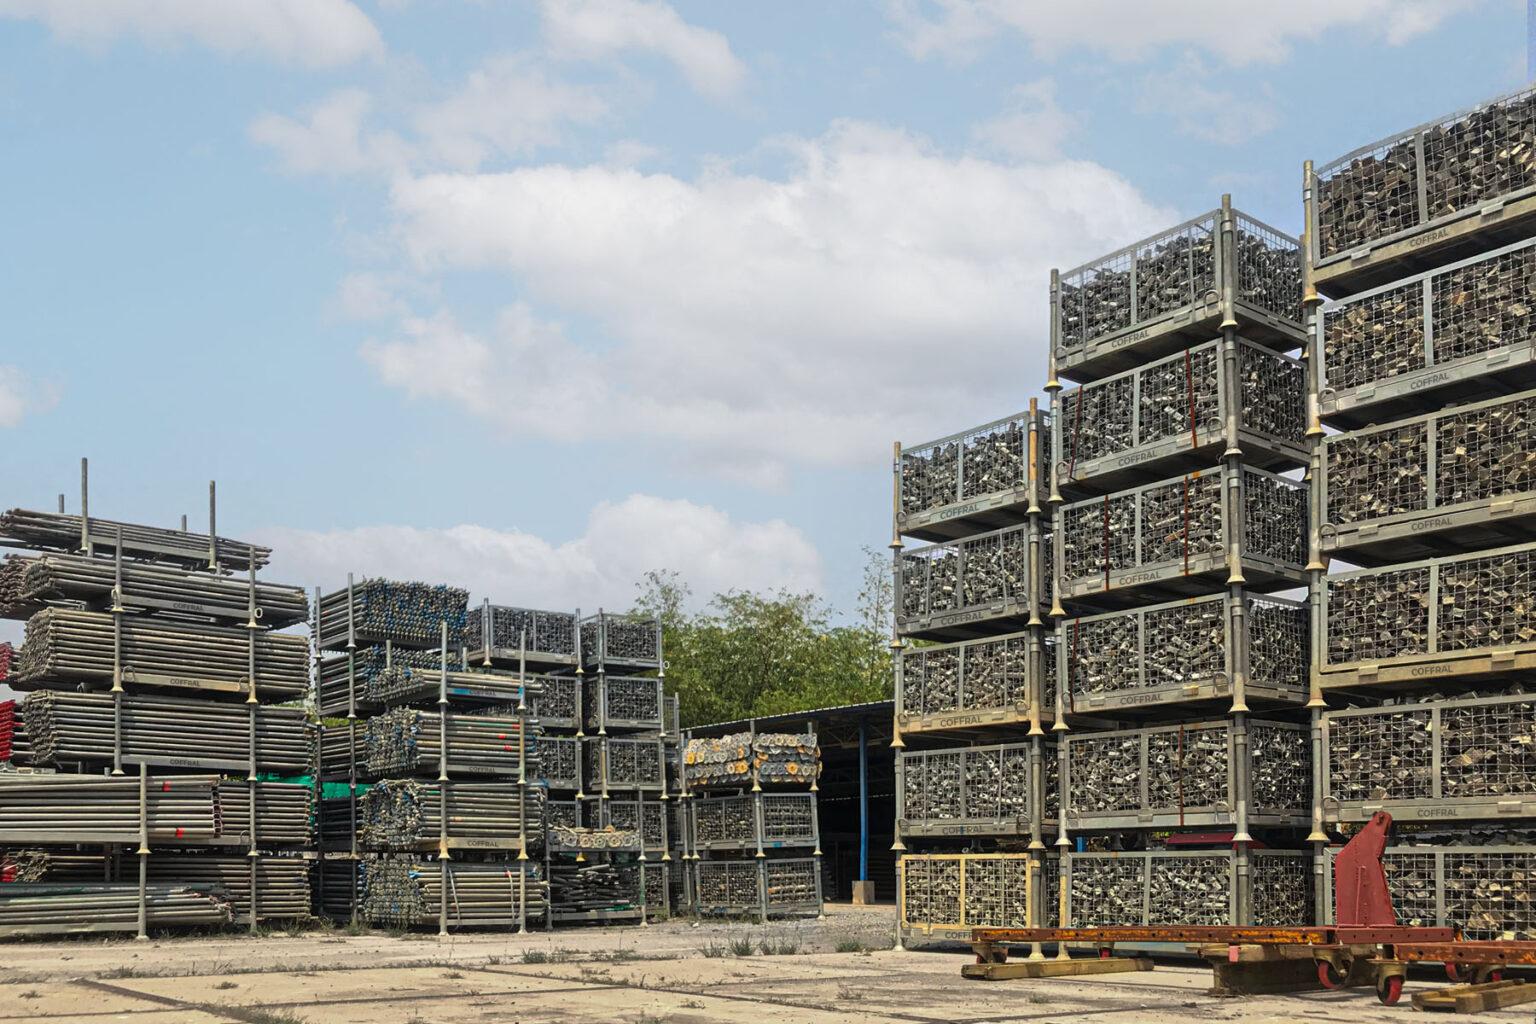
1328	976
1105	952
1496	975
1390	990
1455	972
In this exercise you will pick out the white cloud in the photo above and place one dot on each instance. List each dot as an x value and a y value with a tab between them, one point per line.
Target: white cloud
1032	128
21	396
622	541
1234	31
596	29
878	289
1200	111
319	33
331	139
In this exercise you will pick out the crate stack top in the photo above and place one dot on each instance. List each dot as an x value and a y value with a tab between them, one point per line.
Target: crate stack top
156	679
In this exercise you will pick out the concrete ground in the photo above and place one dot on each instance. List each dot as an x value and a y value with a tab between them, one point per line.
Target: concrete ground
679	972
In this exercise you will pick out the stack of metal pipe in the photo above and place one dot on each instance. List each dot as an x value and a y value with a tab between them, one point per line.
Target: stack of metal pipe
76	908
106	809
402	813
577	888
405	740
76	581
55	531
66	727
70	646
37	865
282	883
402	892
377	611
284	812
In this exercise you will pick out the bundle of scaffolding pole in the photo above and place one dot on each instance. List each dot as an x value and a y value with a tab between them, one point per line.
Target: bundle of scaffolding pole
107	809
56	531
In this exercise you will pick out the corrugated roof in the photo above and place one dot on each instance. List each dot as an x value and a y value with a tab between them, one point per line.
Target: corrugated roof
867	709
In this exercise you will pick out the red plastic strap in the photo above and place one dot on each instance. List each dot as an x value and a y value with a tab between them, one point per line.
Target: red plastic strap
1189	384
1186	526
1106	542
7	728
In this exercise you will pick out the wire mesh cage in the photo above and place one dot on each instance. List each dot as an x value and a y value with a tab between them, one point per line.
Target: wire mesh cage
1406	346
1141	299
620	641
629	764
976	479
559	761
1159	887
1458	616
777	886
623	702
1484	890
1427	188
968	683
977	584
628	815
1183	651
947	894
1172	413
406	614
1173	776
730	822
1174	535
1470	757
962	791
558	704
502	633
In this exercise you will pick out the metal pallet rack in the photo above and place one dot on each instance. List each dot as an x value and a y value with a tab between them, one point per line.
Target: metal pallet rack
1168	887
995	681
983	790
944	895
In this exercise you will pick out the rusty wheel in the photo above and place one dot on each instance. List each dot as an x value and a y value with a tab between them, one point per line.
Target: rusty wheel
1328	976
1389	990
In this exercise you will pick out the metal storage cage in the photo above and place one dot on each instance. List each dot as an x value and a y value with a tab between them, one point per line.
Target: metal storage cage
967	684
1177	776
945	895
1152	297
625	764
1483	890
1172	414
1176	537
978	479
1183	652
498	634
406	614
777	886
559	705
1460	617
1424	196
627	814
1163	887
973	586
559	762
967	791
623	642
730	822
1473	757
1413	345
1462	478
622	702
562	814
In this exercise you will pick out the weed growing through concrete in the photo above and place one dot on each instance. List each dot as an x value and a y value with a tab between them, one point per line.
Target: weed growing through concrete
225	985
742	946
714	950
535	956
850	946
848	994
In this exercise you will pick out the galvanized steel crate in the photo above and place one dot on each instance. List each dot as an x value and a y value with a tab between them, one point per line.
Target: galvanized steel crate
1414	345
1458	617
622	702
1463	477
1176	776
1152	297
974	586
609	762
1473	757
945	895
1181	652
623	642
562	814
1487	891
972	683
558	705
780	886
628	814
731	822
1425	196
1172	414
968	791
559	762
503	635
983	478
1163	887
1175	536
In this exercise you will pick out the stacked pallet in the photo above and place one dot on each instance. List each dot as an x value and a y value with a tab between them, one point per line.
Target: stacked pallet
1421	261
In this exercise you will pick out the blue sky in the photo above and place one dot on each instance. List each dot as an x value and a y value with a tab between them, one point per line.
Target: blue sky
538	296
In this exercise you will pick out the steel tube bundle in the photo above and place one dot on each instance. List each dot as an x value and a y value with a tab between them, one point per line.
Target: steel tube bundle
401	813
282	883
103	809
407	614
339	747
164	731
284	812
406	739
74	579
31	865
59	532
65	645
401	892
588	888
732	760
62	909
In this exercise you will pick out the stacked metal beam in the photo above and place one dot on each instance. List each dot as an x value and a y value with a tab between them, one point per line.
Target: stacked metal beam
1421	261
971	764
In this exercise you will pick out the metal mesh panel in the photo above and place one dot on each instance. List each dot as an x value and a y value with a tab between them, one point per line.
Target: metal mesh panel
1485	452
557	760
1187	768
726	883
1278	643
723	819
930	680
1374	338
558	701
1274	393
1105	773
1106	890
930	477
562	814
624	639
913	590
1281	890
1175	270
1274	517
1381	756
1376	474
546	632
996	892
1488	602
787	816
942	773
1102	656
1481	156
1489	894
1096	301
1186	643
1190	890
1485	305
1097	420
995	672
1098	536
1378	615
629	699
625	814
1181	518
1488	749
1372	196
1268	269
1280	771
995	459
1180	397
1411	882
933	890
790	882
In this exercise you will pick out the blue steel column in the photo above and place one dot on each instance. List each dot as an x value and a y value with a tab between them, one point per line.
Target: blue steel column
864	797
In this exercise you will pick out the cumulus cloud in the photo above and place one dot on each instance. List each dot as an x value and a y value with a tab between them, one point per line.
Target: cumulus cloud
21	396
1234	31
760	322
319	33
621	541
1032	127
1184	93
598	29
331	139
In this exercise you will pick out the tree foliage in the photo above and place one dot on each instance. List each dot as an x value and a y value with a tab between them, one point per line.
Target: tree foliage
747	654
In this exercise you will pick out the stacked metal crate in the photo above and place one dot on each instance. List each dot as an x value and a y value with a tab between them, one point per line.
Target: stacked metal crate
1421	264
749	800
161	703
974	771
441	805
611	834
1179	516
